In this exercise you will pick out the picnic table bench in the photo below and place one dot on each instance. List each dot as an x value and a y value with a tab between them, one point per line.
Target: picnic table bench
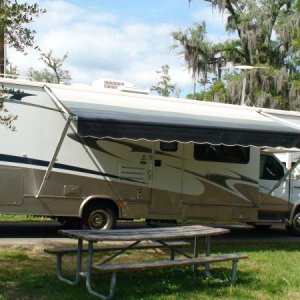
173	238
60	251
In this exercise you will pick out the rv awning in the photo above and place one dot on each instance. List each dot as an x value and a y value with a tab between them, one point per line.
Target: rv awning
138	124
117	115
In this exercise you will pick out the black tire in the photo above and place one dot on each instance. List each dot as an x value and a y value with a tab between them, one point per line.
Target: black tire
294	228
99	217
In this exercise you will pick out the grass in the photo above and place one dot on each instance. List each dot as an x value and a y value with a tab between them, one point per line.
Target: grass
271	272
22	218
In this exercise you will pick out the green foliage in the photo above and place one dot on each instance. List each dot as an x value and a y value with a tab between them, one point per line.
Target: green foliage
42	76
164	87
6	118
13	31
11	70
54	73
203	57
216	92
13	20
268	34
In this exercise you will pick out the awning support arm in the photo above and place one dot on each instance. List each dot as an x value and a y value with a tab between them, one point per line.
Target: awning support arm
282	179
285	122
55	154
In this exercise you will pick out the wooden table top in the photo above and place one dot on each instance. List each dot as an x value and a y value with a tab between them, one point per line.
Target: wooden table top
161	233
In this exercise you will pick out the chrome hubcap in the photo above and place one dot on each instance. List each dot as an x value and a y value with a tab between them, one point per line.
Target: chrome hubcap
99	220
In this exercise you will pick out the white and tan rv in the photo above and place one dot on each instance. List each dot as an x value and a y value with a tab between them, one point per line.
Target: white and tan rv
97	156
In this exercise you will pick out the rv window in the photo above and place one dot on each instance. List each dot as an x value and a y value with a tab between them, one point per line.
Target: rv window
169	146
221	153
270	168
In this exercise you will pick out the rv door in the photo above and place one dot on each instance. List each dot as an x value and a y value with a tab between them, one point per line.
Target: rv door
271	172
166	179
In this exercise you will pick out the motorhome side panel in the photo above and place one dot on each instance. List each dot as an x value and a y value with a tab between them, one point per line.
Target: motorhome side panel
147	176
25	155
220	183
175	184
129	164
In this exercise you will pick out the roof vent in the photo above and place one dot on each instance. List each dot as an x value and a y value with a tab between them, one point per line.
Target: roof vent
111	84
134	90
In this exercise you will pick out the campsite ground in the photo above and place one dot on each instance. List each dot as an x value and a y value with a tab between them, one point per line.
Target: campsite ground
39	232
271	272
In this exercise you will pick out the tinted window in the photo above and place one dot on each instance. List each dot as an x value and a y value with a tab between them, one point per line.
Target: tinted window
270	168
221	153
169	146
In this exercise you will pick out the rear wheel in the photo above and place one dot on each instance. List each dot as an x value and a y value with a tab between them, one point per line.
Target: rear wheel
99	217
294	228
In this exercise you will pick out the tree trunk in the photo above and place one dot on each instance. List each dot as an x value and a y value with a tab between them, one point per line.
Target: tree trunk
2	46
2	56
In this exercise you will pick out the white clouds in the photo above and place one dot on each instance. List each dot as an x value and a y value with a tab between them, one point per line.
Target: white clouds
100	44
60	13
215	20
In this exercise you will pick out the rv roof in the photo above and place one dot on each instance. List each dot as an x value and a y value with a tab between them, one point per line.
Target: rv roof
118	114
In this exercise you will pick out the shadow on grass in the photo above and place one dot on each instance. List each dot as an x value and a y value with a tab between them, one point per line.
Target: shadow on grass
174	284
182	283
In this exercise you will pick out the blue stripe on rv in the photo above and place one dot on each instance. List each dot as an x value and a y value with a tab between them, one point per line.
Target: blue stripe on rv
43	163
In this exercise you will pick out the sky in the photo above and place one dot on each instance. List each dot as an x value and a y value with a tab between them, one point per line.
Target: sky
118	39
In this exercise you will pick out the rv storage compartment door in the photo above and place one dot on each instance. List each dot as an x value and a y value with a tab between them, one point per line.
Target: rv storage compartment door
11	186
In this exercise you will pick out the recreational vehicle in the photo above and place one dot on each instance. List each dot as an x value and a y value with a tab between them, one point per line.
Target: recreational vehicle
94	155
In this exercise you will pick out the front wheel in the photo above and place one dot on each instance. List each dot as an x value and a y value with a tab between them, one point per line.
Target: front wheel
99	217
294	228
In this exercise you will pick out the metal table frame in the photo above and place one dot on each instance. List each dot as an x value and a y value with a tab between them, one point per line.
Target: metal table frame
135	236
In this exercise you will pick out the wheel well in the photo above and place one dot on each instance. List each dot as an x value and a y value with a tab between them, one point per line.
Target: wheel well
98	201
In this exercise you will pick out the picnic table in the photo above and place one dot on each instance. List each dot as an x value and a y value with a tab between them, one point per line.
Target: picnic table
173	238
